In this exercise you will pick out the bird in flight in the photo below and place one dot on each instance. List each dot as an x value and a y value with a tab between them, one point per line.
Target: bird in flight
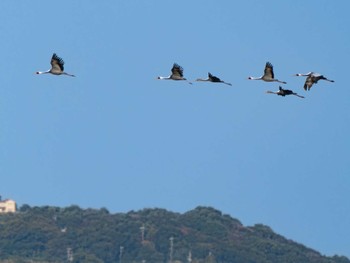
212	78
268	76
57	67
312	78
176	74
284	92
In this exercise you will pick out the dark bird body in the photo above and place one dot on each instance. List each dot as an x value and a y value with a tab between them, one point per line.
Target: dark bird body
212	78
284	92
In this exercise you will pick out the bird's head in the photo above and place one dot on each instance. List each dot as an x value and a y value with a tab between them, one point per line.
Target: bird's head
250	77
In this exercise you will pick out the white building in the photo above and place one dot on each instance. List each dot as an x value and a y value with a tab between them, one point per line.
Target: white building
7	206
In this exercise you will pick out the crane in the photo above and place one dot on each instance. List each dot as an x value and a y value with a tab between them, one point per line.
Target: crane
284	92
176	74
268	76
312	78
212	78
57	67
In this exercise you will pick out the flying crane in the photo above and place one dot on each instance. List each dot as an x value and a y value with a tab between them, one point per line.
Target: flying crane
57	67
268	76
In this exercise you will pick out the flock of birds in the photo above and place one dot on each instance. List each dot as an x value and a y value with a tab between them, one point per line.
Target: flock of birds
57	68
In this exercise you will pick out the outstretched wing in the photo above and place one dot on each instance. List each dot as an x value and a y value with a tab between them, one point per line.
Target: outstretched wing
177	70
309	82
57	63
269	70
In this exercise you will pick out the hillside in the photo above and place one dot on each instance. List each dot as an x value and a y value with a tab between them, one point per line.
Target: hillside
46	234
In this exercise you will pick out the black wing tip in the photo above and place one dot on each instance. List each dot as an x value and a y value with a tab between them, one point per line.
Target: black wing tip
177	66
59	60
55	56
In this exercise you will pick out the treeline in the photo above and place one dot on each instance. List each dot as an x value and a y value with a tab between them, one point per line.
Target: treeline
71	234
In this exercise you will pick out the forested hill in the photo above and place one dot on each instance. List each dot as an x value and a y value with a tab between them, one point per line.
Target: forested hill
72	234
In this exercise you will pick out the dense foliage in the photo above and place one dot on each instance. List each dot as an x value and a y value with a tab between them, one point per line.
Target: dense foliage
46	234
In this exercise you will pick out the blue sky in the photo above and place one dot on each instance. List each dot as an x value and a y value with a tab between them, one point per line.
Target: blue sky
116	137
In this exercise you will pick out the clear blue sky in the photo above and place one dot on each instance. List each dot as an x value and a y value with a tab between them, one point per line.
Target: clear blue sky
116	137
